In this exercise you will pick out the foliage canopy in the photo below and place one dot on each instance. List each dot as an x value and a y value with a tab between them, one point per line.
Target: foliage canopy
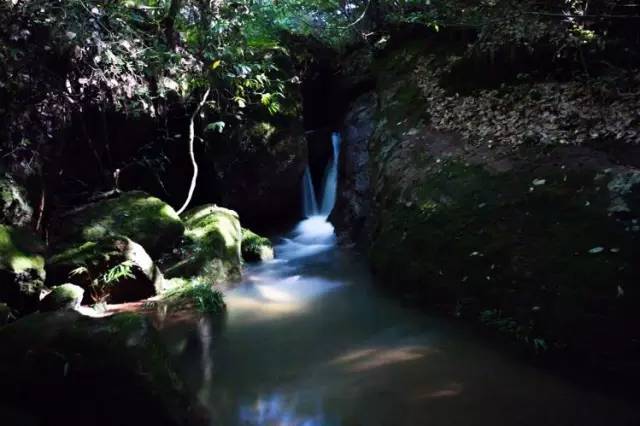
58	58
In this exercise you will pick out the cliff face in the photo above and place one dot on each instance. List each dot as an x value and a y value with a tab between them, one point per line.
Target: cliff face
537	237
354	200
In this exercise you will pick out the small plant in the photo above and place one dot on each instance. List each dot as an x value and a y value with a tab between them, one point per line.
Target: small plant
202	296
100	286
118	272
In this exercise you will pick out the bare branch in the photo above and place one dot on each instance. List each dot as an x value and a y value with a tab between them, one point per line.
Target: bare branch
192	155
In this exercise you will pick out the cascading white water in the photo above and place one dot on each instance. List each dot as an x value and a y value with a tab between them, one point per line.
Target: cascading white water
330	183
309	203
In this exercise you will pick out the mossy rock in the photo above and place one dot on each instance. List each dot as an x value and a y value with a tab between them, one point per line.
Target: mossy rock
62	297
211	246
538	243
255	248
114	268
145	219
182	293
14	206
112	371
22	270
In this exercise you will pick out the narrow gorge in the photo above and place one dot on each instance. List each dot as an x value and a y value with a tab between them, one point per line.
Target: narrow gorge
397	213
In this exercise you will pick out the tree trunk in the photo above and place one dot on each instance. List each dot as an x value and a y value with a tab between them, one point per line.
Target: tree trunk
171	38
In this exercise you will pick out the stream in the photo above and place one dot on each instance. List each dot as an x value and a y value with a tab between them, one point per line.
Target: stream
309	341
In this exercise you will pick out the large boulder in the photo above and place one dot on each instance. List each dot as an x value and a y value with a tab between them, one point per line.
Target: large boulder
22	270
145	219
112	269
255	248
62	297
78	371
211	248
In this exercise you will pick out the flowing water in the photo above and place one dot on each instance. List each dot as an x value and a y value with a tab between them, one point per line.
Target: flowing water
307	341
330	181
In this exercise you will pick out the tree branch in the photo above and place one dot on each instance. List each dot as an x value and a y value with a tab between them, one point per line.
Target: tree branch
364	13
192	155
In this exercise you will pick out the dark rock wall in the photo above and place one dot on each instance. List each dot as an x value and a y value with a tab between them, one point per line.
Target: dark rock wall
353	200
538	241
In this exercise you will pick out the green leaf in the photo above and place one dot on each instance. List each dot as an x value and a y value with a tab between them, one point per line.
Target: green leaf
240	101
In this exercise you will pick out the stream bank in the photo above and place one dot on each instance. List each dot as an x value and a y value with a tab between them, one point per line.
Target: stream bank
535	238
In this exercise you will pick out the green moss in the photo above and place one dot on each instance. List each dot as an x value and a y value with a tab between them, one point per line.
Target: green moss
213	230
255	247
500	240
65	296
145	219
95	256
211	247
113	268
15	254
77	255
194	293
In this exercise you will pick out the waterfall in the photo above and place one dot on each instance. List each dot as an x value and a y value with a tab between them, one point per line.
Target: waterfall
329	185
309	203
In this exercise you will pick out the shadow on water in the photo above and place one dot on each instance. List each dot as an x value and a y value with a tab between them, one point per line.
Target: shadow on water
308	341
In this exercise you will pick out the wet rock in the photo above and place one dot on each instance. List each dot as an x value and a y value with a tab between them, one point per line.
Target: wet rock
62	297
112	269
211	249
22	270
136	215
352	202
255	248
80	371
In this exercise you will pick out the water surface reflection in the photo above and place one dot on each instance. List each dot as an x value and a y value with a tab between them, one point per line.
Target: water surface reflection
307	341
